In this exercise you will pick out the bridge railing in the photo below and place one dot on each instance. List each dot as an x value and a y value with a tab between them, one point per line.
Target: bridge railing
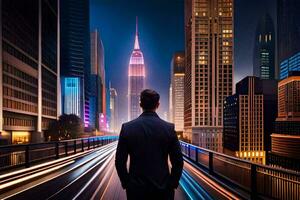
25	154
255	179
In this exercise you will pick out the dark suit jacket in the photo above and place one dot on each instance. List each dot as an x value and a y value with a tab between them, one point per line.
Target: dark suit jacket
148	140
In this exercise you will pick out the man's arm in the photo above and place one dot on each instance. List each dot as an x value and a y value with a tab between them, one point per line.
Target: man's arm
121	159
176	160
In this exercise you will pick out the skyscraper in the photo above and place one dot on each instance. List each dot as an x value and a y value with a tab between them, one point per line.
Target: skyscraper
113	110
97	81
209	69
264	49
29	69
248	117
75	57
288	30
285	150
136	78
177	83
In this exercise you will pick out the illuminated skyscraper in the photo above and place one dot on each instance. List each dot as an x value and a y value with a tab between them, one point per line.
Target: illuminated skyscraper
29	69
136	79
113	106
97	81
264	49
75	55
177	92
209	69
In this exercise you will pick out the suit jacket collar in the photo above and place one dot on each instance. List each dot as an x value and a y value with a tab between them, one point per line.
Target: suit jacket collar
149	113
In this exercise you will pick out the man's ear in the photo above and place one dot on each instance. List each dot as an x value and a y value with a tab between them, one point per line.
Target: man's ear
158	104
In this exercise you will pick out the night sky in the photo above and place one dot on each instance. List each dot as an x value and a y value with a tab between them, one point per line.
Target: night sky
161	33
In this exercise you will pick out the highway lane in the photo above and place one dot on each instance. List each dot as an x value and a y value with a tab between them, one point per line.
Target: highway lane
114	190
92	175
56	181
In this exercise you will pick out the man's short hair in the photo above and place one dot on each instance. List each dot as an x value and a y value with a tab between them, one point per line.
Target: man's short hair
149	99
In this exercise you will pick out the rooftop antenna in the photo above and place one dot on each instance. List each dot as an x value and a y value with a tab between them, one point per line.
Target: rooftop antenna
136	42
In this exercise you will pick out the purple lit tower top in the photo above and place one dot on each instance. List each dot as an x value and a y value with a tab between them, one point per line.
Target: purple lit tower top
136	78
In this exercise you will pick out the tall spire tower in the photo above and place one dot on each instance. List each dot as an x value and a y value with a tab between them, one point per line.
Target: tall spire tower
136	78
136	42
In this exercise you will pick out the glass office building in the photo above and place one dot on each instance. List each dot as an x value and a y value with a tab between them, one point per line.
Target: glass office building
29	69
75	49
288	65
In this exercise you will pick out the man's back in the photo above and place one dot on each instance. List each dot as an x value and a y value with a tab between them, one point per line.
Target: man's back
148	141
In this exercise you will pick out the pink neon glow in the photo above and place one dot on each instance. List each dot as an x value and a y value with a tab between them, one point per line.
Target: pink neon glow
102	122
136	70
136	63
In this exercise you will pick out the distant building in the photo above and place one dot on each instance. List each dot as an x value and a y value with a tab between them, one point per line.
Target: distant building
136	79
248	119
290	64
170	116
75	57
29	69
264	49
209	44
288	32
285	150
288	28
177	92
97	81
114	127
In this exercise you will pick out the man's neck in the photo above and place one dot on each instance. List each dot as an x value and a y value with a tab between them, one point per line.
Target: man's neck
149	111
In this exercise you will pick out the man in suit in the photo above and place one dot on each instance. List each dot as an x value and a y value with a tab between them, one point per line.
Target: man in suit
148	141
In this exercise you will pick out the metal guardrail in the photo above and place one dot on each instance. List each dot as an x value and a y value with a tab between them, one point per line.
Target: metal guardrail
25	154
260	181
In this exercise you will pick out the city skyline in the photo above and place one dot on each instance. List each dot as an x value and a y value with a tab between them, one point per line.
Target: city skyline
116	30
224	75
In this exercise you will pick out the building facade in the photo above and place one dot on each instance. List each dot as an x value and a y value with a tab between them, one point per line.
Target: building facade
288	65
247	117
285	150
136	79
209	32
264	49
29	69
113	110
177	92
288	30
170	114
75	55
97	81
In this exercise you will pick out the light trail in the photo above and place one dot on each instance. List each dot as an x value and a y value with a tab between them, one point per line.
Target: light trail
94	164
197	189
97	153
97	161
20	180
210	182
103	166
42	165
109	181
